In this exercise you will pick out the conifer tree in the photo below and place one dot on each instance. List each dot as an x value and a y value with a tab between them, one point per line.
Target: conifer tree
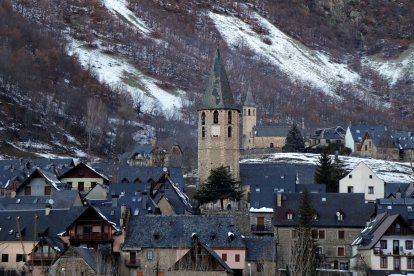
220	185
294	140
325	171
303	260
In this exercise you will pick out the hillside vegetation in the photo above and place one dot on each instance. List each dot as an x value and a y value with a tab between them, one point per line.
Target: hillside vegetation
56	55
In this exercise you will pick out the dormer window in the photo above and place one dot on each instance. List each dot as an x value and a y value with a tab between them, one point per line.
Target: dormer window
340	215
215	117
289	215
315	216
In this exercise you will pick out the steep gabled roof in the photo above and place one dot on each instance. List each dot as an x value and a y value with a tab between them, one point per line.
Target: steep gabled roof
218	94
249	101
376	229
72	172
260	248
49	178
358	131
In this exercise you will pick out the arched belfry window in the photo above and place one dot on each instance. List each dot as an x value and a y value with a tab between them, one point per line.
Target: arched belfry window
229	117
229	130
203	132
248	112
203	118
215	117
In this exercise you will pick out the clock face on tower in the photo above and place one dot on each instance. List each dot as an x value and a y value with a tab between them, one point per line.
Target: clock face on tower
215	131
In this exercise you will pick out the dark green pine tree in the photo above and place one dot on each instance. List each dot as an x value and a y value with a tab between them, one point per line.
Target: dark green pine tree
304	259
220	185
325	172
294	140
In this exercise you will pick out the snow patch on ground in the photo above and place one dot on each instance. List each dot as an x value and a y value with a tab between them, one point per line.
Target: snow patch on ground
292	57
392	172
118	73
395	69
120	8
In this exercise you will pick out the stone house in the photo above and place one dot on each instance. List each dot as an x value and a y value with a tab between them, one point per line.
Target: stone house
156	243
338	219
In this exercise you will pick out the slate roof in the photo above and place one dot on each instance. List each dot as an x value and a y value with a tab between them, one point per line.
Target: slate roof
249	101
49	178
177	231
48	225
394	188
271	131
22	168
265	180
107	169
218	94
406	142
358	131
80	165
402	206
260	248
63	199
353	207
333	133
88	255
178	200
371	234
144	174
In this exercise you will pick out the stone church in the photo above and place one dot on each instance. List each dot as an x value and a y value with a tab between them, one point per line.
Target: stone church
219	126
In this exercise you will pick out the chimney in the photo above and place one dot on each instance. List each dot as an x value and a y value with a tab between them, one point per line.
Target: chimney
115	200
48	209
123	215
279	199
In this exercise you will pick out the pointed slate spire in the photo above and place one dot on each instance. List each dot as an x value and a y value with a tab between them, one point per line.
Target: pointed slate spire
218	94
249	101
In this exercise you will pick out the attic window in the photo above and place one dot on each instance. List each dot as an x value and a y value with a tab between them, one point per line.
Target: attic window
257	189
350	176
289	215
18	200
370	176
156	236
315	215
213	237
340	215
409	208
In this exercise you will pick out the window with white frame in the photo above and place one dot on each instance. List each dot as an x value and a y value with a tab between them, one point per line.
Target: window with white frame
370	189
150	255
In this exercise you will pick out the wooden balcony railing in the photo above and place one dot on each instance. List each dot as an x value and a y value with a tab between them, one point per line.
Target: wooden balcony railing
261	228
91	237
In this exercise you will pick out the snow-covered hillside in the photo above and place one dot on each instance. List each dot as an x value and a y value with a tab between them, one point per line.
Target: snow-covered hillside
296	60
395	69
118	73
388	171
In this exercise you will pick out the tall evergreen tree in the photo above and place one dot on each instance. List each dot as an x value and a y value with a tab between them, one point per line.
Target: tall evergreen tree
303	252
220	185
325	171
294	140
329	172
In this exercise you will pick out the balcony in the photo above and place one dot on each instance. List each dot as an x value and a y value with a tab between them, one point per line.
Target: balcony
91	237
133	263
261	229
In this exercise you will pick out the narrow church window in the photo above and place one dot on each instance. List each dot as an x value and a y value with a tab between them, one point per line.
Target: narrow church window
229	117
249	112
229	132
215	117
203	132
203	118
271	145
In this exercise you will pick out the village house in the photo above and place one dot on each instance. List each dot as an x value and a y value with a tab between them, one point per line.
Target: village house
83	178
384	246
338	219
362	179
156	243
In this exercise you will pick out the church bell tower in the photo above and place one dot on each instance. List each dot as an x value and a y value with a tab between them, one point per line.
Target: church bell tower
218	125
